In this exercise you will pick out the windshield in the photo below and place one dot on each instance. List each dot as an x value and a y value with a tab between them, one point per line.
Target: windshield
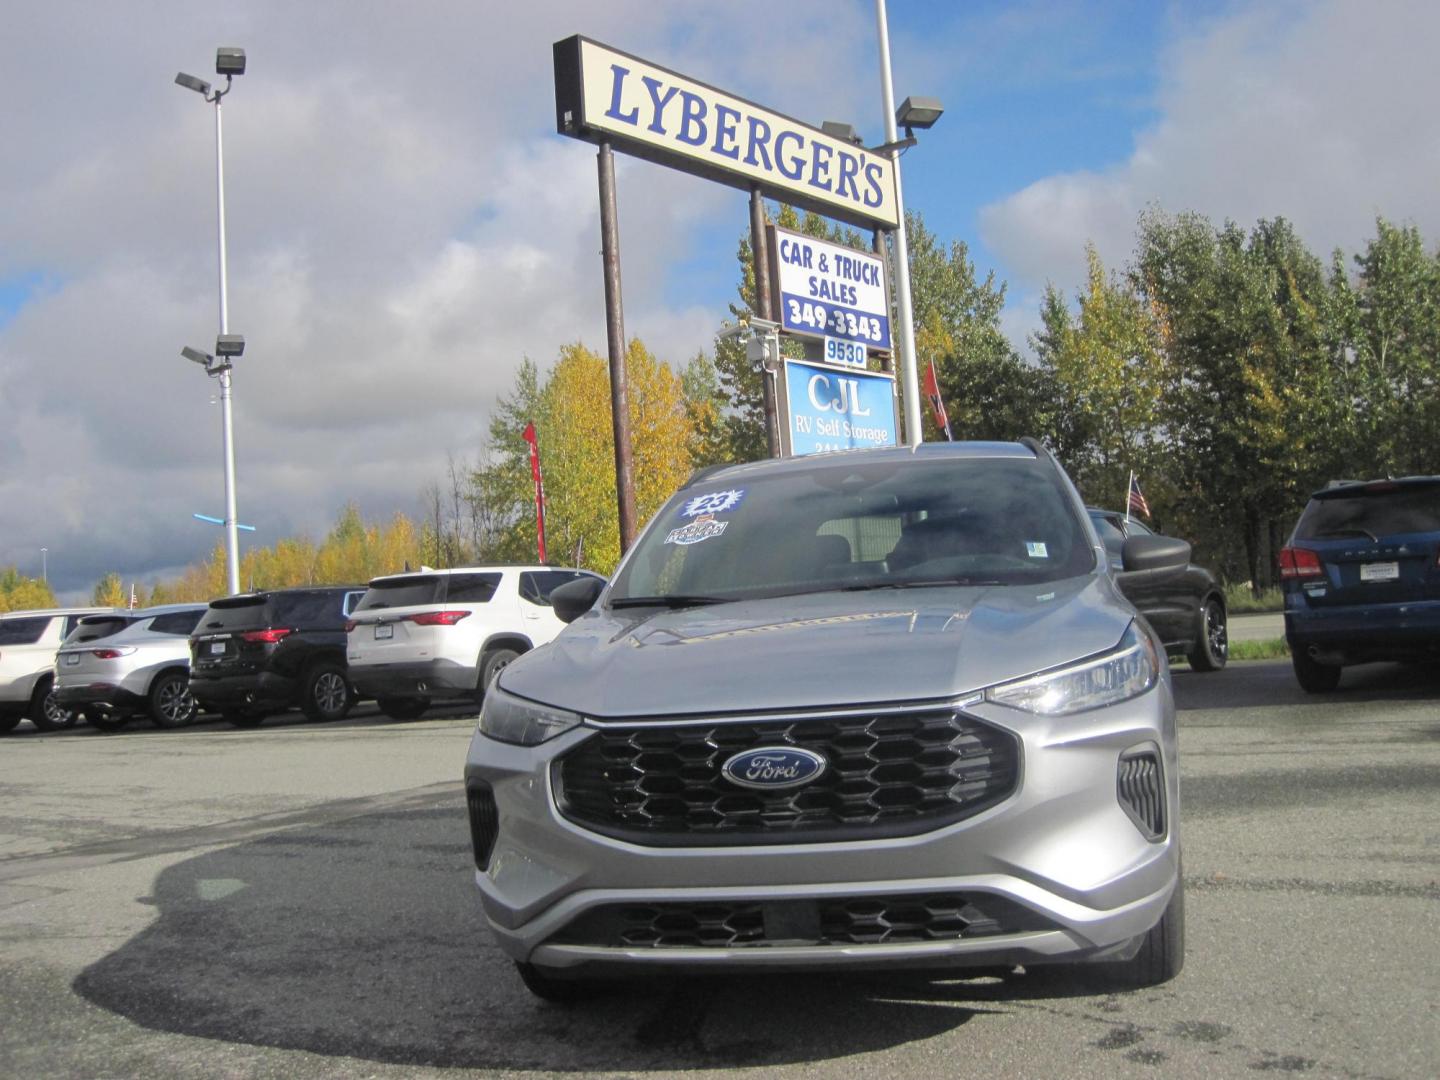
860	525
1375	510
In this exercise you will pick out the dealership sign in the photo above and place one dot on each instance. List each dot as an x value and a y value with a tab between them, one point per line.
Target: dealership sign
833	409
829	290
668	118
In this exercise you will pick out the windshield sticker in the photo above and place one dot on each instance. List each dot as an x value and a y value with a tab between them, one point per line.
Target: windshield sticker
1036	549
716	502
702	528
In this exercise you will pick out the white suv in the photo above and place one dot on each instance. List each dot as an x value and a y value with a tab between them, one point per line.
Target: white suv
28	641
447	633
124	664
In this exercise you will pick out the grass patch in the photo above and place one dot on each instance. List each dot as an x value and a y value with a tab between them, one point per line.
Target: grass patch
1274	649
1239	600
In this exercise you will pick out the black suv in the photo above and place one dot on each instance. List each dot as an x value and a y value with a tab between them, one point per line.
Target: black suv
259	653
1187	610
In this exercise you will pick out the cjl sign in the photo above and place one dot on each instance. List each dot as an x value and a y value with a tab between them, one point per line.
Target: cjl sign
829	409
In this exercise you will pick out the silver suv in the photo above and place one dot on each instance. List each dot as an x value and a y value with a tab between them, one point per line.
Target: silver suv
434	634
128	663
868	709
28	642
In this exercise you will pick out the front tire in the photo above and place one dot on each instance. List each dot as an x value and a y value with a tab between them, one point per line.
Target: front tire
171	703
1313	676
46	713
1212	647
327	694
1161	956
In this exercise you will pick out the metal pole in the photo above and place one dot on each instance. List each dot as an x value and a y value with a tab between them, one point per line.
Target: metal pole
232	538
45	565
615	327
908	374
760	259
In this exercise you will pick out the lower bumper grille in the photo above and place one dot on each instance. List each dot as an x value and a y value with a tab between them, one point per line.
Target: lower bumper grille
1140	784
889	774
868	920
484	821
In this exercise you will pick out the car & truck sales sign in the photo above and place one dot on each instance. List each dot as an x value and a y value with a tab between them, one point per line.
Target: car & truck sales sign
829	290
671	119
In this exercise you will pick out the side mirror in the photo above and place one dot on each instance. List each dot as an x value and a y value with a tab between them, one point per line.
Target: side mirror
1152	559
575	598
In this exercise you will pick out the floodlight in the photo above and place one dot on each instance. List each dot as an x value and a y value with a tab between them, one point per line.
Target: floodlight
919	112
229	61
230	345
190	82
196	355
836	129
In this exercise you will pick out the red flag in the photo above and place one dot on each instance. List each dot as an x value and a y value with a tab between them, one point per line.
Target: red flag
530	437
932	391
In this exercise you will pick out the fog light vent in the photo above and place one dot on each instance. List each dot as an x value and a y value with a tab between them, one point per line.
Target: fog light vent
484	821
1140	783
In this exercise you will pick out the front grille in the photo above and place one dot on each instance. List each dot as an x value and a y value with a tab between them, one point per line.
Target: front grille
865	920
484	821
892	774
1140	784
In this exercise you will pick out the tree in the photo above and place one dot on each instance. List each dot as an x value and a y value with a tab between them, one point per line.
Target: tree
21	593
110	592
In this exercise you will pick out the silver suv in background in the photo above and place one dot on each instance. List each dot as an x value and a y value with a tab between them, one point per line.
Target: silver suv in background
28	643
876	708
437	634
117	666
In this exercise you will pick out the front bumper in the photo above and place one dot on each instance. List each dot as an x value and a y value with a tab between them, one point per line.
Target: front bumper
1061	851
420	678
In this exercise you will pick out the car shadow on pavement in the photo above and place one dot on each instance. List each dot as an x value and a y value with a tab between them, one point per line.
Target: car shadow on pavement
1252	684
363	938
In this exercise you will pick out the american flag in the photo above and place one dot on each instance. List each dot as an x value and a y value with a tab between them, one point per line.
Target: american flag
1136	503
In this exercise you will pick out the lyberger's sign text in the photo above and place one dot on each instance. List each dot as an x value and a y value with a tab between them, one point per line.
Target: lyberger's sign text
671	119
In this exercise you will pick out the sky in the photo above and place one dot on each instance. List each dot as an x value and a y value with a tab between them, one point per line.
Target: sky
404	225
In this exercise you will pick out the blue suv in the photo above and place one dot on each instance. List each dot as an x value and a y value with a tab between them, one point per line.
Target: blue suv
1361	576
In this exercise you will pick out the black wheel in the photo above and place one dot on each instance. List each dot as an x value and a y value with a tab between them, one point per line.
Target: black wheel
1313	676
9	718
492	663
46	713
1162	954
327	694
549	988
243	718
403	708
1212	647
107	722
171	703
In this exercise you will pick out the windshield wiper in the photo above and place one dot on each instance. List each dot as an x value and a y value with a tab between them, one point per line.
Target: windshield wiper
918	584
670	600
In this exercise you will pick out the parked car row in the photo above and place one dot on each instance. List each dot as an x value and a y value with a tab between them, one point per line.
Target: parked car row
406	640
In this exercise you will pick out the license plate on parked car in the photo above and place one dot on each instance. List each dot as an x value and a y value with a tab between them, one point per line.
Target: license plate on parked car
1379	571
383	631
72	659
217	647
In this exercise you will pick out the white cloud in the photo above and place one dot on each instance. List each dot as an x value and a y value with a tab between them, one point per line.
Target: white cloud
1322	113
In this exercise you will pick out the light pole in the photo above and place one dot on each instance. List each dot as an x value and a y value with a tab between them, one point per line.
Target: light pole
228	62
44	566
921	113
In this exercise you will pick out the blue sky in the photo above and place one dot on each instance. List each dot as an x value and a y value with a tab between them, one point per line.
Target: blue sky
405	225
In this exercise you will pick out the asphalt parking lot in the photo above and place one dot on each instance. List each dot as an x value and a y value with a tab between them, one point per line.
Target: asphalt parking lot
296	901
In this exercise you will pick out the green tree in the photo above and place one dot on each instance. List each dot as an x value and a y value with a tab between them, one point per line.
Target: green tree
110	592
21	593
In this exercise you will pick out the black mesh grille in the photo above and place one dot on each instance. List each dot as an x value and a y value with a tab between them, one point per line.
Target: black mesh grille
1141	787
868	920
887	775
484	821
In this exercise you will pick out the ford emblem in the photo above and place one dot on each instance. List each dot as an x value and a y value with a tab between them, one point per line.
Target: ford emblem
772	767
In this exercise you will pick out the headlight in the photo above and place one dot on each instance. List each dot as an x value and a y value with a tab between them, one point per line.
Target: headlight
1129	670
515	720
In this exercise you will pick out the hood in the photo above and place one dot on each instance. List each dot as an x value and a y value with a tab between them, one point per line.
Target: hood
819	650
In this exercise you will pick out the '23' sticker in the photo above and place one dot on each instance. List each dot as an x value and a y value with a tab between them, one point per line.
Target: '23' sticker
716	502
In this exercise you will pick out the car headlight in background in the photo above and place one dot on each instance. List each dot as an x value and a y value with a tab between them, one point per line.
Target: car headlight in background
525	723
1127	671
